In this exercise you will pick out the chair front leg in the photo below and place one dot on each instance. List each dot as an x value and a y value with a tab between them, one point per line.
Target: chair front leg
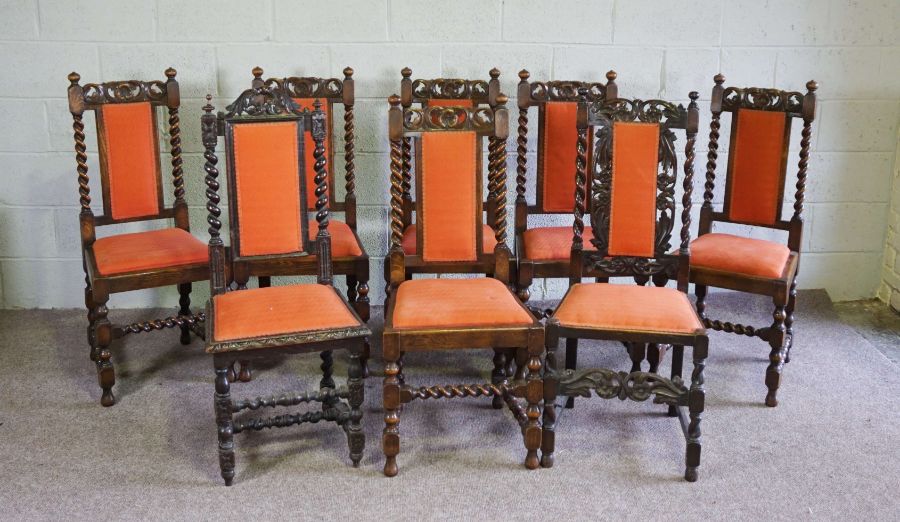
498	375
777	337
224	419
351	288
571	363
390	438
677	364
534	393
327	381
89	304
551	387
361	305
106	375
356	438
184	303
696	402
789	320
637	352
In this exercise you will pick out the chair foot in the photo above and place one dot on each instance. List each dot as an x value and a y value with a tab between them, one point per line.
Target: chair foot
244	374
691	474
673	411
107	399
390	467
570	403
547	460
771	400
531	460
229	480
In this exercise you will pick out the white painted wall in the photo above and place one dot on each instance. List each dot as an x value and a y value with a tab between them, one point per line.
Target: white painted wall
660	49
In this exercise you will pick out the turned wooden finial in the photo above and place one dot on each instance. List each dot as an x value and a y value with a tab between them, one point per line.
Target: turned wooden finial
257	72
524	75
317	104
719	79
170	73
208	108
495	73
694	96
348	71
502	99
74	77
812	85
611	75
394	100
406	72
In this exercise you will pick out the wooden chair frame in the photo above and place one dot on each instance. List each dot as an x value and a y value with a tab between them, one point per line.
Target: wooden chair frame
537	94
98	287
782	290
491	122
331	91
480	93
636	385
255	105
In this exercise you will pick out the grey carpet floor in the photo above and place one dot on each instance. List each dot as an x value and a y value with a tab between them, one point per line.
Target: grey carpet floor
828	451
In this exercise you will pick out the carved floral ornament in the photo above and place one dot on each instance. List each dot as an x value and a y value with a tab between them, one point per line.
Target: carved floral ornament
450	88
124	91
297	87
566	91
762	99
448	118
602	115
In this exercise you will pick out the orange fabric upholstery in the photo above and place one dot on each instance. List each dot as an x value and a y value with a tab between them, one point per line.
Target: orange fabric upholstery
455	303
553	243
266	166
128	131
603	306
343	241
263	312
632	220
409	243
739	255
148	250
449	193
757	163
558	156
310	146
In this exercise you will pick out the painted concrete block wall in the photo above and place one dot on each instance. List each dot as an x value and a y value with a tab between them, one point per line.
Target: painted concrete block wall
660	49
889	292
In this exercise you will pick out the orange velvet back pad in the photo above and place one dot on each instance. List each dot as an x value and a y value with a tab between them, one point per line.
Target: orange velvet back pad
632	221
128	132
266	163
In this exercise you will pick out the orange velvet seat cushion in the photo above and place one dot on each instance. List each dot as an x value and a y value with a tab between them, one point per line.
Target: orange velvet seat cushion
343	240
277	310
739	255
553	243
128	131
454	303
603	306
148	250
488	241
